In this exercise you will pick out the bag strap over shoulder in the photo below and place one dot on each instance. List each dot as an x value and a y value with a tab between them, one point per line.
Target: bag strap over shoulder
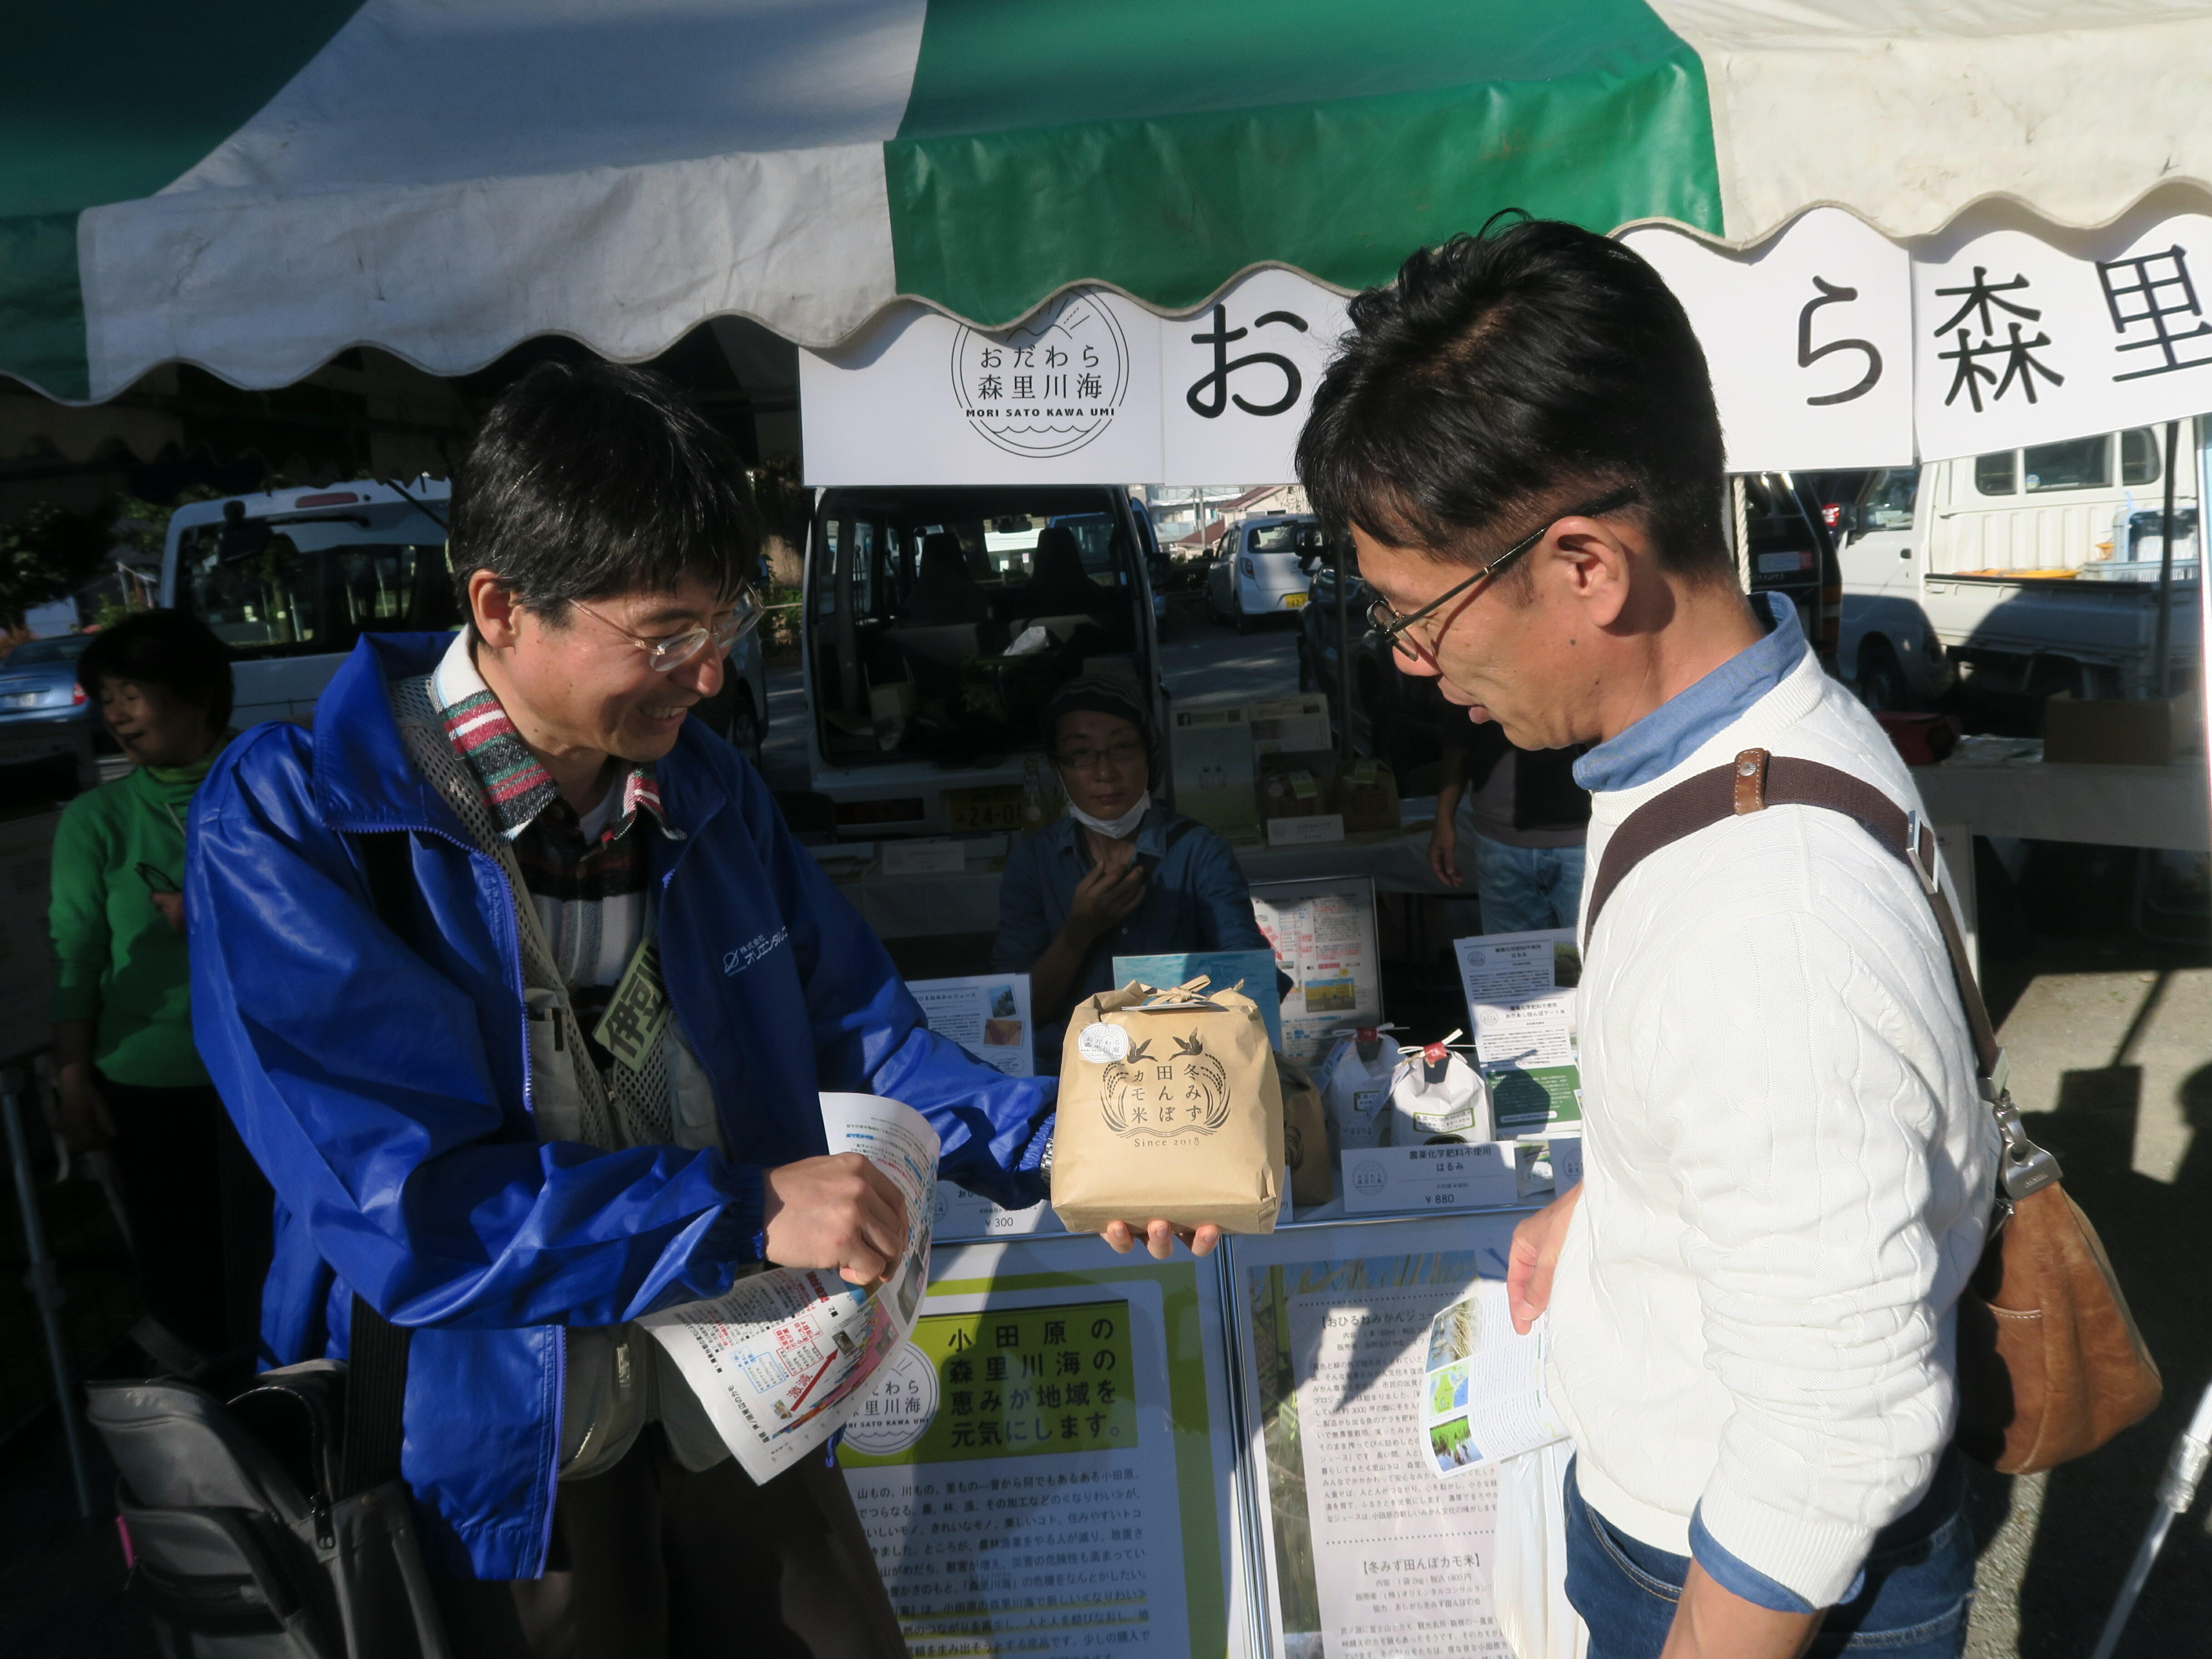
1755	781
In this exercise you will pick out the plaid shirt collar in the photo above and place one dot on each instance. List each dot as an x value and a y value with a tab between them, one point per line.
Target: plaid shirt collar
515	787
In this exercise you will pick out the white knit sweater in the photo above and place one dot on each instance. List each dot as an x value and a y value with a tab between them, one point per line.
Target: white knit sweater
1788	1173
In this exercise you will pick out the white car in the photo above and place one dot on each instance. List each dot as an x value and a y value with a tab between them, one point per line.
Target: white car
1260	570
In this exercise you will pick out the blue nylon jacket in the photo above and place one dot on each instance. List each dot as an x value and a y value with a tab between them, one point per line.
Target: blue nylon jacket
387	1093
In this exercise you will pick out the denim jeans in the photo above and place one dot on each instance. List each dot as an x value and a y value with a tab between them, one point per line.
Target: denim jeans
1911	1604
1524	889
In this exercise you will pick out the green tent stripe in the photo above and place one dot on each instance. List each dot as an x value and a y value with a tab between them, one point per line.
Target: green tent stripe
41	307
1049	145
108	101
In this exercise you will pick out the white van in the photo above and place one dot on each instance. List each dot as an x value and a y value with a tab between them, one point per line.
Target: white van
2030	570
291	579
937	622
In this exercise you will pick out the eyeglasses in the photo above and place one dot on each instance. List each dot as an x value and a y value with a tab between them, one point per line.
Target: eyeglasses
676	649
1117	756
1394	626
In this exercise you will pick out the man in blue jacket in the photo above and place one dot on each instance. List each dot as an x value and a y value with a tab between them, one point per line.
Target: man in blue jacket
576	1083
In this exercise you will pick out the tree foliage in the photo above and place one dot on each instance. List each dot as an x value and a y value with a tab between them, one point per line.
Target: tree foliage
47	553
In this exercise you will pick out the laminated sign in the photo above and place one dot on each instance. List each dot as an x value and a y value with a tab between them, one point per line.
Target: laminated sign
1169	1106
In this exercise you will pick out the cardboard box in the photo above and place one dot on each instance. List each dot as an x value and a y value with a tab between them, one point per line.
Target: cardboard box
2116	731
1367	795
1298	784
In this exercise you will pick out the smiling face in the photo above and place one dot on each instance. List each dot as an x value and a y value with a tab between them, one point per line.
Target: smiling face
153	725
1102	761
579	689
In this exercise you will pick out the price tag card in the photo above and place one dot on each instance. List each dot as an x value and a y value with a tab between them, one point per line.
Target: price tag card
1452	1176
924	857
1306	831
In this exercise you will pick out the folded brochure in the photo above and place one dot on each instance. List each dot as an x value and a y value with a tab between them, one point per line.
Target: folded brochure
781	1359
1483	1396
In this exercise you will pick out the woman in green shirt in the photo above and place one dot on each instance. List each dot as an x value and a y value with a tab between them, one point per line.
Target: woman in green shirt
128	1077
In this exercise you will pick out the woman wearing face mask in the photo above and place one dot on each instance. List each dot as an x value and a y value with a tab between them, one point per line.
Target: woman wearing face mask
128	1077
1118	875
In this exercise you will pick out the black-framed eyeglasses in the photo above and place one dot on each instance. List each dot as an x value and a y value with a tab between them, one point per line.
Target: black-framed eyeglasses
1394	626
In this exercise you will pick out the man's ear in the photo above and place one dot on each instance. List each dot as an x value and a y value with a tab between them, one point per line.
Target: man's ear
1596	558
495	610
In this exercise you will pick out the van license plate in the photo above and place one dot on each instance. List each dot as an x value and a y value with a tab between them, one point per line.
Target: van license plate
1295	601
983	809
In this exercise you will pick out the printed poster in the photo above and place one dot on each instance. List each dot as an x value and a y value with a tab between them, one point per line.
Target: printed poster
987	1014
1324	938
1367	1555
1047	1467
1521	991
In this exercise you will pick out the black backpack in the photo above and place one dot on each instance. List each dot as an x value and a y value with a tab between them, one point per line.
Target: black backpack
275	1524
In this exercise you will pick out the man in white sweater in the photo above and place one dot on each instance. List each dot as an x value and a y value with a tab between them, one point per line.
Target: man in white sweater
1789	1170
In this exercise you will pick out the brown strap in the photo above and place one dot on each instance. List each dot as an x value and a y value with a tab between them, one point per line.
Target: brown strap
1755	781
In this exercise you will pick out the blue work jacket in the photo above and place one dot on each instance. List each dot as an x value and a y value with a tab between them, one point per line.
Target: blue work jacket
387	1093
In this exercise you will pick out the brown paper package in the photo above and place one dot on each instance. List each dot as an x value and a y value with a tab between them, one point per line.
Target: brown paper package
1169	1108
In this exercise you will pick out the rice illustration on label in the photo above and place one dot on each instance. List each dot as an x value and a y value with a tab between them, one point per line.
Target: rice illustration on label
1169	1106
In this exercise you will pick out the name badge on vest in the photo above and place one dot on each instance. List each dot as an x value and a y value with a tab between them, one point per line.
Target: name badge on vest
631	1027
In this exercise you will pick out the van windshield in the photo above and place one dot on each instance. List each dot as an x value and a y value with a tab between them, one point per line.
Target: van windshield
280	599
941	621
1888	501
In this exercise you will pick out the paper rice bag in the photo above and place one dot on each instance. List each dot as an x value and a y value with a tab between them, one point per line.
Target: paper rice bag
1168	1107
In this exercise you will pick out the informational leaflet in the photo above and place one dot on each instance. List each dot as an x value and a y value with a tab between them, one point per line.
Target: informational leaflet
987	1014
1483	1397
1521	992
1047	1467
780	1362
1368	1555
1324	936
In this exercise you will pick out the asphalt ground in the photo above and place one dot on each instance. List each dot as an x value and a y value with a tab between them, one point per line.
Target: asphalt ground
2110	1039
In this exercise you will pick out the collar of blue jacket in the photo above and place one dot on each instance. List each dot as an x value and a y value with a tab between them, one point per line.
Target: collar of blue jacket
1654	745
385	1089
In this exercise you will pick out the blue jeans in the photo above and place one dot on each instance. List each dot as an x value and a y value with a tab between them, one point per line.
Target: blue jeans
1525	889
1911	1604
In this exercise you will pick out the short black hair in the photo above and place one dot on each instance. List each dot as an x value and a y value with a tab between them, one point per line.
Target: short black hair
169	648
591	480
1509	375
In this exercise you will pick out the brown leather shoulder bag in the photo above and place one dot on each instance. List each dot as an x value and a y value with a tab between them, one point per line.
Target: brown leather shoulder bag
2050	1363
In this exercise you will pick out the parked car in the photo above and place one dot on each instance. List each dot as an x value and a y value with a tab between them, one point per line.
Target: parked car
1259	570
291	579
2031	571
46	721
921	720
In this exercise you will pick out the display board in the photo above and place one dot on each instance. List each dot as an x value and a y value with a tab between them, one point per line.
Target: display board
1049	1465
987	1014
1325	939
1522	992
1363	1553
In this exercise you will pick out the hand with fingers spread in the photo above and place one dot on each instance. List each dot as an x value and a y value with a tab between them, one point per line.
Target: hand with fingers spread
839	1212
1159	1237
1534	1257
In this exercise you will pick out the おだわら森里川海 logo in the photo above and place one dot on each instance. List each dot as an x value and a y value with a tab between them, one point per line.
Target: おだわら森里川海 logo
1168	1096
1048	386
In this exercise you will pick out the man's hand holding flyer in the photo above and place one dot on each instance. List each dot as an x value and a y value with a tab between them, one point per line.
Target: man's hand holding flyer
780	1360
